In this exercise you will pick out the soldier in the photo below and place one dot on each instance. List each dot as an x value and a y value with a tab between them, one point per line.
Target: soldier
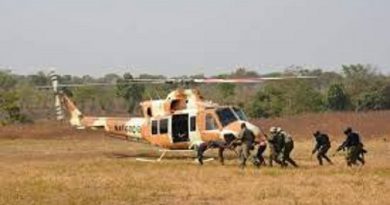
259	155
354	147
321	147
276	144
288	147
363	151
247	139
211	144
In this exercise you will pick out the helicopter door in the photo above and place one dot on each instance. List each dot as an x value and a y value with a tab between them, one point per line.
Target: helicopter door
211	129
194	136
180	132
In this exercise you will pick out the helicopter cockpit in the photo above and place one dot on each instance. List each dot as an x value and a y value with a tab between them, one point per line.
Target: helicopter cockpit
227	115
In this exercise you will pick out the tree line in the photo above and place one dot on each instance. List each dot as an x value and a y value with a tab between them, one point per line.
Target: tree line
354	88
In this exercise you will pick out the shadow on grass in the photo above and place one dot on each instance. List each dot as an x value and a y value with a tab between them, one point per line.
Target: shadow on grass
151	155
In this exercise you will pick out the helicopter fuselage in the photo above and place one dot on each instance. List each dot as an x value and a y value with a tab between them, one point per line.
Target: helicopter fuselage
181	121
182	129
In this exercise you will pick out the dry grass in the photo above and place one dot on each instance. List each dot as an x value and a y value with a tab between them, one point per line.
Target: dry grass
370	124
88	168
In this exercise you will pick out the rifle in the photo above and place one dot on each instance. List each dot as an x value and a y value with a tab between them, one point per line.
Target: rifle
312	153
231	146
341	147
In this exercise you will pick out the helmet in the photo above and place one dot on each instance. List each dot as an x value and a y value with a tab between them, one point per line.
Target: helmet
348	130
272	130
278	129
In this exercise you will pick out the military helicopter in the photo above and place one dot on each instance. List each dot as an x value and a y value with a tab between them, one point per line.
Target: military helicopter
181	121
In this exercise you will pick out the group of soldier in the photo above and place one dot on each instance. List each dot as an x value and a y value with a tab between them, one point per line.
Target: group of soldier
281	144
352	144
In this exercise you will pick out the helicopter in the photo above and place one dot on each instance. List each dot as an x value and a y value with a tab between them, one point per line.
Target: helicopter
180	122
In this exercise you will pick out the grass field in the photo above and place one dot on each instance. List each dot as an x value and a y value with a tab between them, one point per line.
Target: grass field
43	164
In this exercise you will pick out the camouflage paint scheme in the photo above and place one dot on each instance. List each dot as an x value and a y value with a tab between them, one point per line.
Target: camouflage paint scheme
180	101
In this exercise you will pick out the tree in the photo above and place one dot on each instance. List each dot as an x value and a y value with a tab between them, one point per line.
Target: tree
302	97
243	73
268	102
7	81
359	81
110	78
370	101
10	109
87	79
323	78
239	73
287	97
359	71
86	97
131	93
66	79
337	99
226	89
39	79
386	95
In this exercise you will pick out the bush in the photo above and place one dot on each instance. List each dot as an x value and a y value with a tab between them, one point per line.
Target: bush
337	99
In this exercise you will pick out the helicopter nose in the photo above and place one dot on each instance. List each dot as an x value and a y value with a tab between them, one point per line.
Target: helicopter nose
255	129
235	128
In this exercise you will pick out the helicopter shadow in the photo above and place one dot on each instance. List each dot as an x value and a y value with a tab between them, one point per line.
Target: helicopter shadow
130	155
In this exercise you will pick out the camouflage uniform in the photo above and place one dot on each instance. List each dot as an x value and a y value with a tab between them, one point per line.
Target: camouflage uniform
211	144
354	147
322	146
247	139
288	147
361	154
276	145
259	155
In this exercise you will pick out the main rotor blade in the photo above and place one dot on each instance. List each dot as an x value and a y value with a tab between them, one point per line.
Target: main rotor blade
250	80
185	81
100	84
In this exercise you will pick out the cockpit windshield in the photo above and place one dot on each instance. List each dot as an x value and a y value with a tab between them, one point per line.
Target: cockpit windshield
226	116
240	114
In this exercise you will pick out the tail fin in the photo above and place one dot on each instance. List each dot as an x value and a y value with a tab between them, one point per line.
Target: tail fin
62	101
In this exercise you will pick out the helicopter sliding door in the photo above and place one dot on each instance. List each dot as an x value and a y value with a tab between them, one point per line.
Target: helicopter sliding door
194	135
180	128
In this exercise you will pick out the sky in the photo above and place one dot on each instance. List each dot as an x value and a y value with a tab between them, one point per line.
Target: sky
186	37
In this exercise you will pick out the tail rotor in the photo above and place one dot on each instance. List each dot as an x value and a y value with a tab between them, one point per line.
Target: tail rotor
57	101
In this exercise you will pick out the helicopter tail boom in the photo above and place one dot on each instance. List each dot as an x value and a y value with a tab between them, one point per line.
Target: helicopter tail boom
63	103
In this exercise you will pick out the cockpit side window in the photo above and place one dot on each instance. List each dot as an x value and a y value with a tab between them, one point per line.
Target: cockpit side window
211	124
226	116
240	113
